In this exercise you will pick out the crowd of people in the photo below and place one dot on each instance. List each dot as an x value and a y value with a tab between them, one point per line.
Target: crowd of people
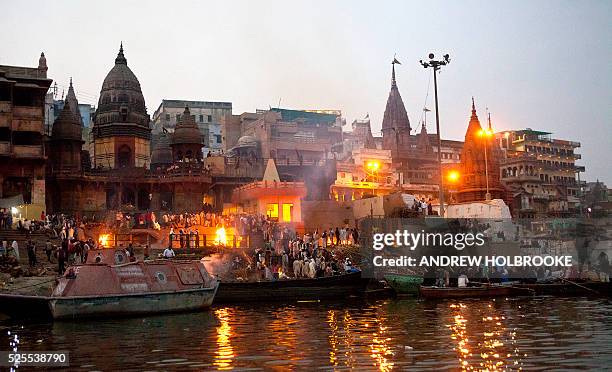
422	207
300	258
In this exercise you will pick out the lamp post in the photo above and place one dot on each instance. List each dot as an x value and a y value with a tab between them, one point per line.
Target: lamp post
435	65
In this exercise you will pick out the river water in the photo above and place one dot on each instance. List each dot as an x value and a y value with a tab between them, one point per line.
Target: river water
537	333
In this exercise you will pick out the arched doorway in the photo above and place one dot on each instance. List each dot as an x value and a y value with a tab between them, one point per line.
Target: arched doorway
124	155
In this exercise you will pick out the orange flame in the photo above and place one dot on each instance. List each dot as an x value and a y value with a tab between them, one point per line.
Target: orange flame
104	240
221	237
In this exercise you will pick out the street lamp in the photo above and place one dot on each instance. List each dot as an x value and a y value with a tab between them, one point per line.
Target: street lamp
453	176
486	133
435	65
373	166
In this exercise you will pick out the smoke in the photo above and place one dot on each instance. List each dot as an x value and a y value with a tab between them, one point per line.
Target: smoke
225	266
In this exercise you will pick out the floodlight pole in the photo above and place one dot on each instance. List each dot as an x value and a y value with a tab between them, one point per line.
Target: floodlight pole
435	65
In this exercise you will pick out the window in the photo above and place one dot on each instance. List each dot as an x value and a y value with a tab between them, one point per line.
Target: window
287	212
209	118
178	117
272	210
201	118
167	117
218	138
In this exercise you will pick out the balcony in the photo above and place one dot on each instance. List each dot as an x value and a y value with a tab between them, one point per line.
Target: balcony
5	148
28	151
521	178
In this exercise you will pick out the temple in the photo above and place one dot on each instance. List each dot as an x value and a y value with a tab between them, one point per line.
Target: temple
479	160
121	126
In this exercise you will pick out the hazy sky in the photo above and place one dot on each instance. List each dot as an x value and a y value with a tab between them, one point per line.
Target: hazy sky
539	64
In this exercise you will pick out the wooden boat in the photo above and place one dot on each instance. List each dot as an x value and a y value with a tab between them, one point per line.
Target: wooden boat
329	287
466	292
404	283
109	285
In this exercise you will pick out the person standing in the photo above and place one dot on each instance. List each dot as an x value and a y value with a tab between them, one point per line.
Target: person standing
61	260
31	253
15	249
48	250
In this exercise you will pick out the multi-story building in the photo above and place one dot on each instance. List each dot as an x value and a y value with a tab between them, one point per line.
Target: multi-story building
208	116
540	171
294	136
22	131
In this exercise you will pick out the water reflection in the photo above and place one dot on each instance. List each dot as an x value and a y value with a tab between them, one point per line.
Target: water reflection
224	353
493	346
505	334
380	350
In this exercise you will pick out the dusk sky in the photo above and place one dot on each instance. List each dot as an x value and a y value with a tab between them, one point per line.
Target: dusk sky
539	64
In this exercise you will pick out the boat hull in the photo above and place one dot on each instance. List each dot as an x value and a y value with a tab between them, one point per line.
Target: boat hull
131	304
404	284
333	287
470	292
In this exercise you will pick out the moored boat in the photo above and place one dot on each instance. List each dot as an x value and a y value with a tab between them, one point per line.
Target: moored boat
109	285
328	287
99	288
404	283
476	292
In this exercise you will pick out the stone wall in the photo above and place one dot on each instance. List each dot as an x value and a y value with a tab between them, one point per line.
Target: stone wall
323	214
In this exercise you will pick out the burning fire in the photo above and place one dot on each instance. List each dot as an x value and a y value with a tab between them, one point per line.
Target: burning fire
104	240
221	237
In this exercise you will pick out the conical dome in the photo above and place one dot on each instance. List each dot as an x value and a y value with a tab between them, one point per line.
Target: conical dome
395	115
66	127
74	103
121	107
187	131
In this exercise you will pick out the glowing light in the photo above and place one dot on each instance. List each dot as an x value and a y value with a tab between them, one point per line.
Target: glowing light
373	165
453	176
221	237
104	240
485	132
14	210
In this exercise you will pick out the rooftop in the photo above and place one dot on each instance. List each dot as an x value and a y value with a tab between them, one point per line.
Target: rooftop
310	117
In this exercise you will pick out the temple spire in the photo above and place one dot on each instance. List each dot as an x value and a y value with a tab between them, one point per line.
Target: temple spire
393	82
490	128
73	102
474	116
120	57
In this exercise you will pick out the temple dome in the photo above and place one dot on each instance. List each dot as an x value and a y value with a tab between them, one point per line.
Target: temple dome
66	126
121	107
187	131
161	152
